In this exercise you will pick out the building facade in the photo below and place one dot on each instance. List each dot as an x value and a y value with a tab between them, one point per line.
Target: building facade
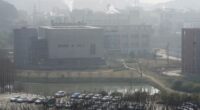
191	50
126	39
25	40
74	46
59	47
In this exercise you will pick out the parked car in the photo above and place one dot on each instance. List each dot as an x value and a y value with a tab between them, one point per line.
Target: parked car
106	98
39	101
31	100
60	94
97	97
89	96
82	96
22	100
14	99
75	95
60	104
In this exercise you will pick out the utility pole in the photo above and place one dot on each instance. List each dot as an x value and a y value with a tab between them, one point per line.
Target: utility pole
167	53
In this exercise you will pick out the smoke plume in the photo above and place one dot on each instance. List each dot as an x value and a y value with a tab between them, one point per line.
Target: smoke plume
112	10
70	4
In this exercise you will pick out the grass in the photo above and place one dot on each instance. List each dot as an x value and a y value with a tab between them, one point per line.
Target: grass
107	73
116	73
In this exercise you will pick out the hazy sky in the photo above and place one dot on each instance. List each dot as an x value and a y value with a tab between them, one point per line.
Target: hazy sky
96	5
154	1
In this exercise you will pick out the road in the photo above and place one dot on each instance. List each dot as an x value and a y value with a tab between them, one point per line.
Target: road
163	55
154	80
172	73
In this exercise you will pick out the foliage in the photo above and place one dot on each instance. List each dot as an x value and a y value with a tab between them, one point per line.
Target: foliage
103	93
116	93
8	14
5	40
137	97
175	99
132	54
186	86
6	73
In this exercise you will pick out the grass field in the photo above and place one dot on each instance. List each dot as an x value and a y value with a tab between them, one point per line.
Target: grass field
108	73
152	68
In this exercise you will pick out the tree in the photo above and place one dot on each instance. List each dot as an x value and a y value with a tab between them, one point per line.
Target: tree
8	14
6	74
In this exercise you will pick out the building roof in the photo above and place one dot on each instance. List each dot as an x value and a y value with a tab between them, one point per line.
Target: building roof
70	27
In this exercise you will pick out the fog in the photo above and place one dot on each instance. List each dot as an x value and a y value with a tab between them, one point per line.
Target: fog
100	54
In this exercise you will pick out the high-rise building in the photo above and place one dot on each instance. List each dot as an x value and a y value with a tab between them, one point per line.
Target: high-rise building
191	50
24	41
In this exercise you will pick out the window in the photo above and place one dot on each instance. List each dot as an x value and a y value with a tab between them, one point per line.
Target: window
93	49
63	45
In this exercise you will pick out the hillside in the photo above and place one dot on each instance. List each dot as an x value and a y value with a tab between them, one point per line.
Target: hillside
183	4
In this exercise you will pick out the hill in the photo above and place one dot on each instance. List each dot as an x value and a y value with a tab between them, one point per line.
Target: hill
183	4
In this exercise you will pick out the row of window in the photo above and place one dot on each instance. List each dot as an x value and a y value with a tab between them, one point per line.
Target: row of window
68	46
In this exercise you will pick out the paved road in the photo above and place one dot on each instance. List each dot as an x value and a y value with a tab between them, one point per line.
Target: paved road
162	53
154	80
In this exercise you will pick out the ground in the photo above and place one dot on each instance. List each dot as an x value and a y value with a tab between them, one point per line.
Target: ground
161	73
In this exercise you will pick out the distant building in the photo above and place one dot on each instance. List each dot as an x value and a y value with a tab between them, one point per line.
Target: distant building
191	50
59	47
127	38
74	46
24	41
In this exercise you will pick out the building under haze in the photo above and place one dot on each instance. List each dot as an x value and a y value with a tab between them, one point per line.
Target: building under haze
59	47
191	50
126	39
25	40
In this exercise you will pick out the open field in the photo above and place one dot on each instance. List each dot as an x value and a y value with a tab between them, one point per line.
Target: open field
156	74
159	70
109	73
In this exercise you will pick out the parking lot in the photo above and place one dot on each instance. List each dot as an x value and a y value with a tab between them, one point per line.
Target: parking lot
74	101
79	101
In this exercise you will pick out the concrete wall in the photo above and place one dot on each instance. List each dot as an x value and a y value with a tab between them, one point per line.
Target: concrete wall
74	42
24	47
128	38
191	50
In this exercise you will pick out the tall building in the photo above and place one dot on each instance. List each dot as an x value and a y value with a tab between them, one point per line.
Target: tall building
24	41
191	50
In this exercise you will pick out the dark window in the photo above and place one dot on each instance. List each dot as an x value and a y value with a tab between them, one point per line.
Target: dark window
93	49
63	45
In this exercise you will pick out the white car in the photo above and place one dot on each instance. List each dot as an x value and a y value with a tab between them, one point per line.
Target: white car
60	94
21	100
14	99
39	101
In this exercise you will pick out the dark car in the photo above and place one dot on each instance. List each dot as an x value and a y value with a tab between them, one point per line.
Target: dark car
75	95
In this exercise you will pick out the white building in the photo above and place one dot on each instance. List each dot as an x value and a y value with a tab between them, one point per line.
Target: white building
74	42
73	46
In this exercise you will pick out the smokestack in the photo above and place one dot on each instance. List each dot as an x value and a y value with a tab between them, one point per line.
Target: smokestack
70	4
111	9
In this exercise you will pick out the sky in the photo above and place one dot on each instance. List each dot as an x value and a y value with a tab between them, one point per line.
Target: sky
96	5
154	1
